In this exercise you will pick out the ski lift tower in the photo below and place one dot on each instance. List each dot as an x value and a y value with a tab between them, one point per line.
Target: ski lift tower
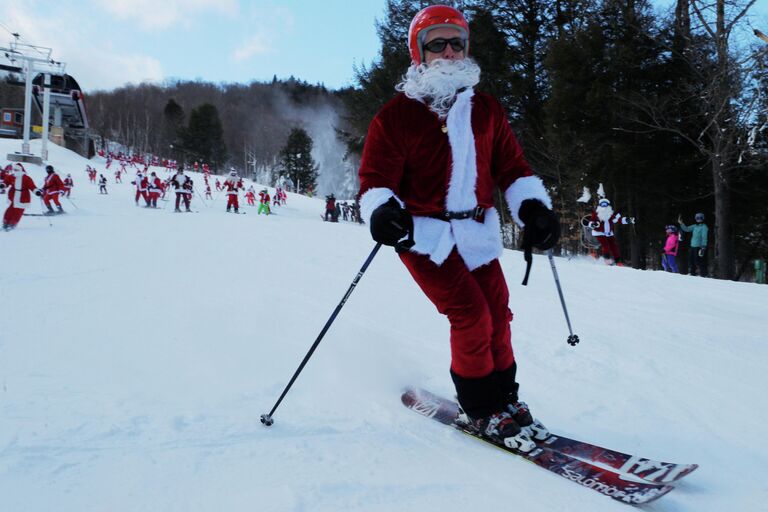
34	59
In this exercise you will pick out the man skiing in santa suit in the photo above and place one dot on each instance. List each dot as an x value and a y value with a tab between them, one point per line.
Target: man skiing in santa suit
603	222
155	188
431	160
142	184
52	187
20	188
179	182
68	184
231	186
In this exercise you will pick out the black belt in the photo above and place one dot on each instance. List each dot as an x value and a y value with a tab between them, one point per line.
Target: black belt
477	213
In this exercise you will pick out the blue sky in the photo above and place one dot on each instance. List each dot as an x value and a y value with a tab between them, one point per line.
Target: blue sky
107	43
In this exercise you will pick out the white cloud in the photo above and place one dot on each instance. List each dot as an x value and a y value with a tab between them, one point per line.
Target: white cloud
254	45
162	14
269	24
76	42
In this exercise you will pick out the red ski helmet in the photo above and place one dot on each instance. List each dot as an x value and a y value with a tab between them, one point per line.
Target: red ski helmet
434	16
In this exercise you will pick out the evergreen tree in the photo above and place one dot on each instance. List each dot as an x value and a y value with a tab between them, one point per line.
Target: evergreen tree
296	161
203	138
376	83
173	121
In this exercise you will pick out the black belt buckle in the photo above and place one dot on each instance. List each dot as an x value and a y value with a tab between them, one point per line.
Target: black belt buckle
479	214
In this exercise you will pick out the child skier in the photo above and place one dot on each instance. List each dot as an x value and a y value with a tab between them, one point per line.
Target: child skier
668	260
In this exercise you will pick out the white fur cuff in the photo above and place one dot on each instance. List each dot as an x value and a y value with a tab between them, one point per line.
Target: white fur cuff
374	198
527	187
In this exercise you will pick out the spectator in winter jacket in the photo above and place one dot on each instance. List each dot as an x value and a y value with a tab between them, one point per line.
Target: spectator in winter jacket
668	260
697	256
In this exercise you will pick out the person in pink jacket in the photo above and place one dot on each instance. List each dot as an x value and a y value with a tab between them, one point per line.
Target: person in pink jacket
668	257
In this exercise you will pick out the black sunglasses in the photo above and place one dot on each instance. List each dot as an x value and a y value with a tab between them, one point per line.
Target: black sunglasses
438	45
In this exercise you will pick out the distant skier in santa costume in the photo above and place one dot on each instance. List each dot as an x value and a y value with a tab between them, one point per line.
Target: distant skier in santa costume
250	196
603	222
68	185
142	184
102	184
440	131
179	183
52	187
20	188
231	186
154	189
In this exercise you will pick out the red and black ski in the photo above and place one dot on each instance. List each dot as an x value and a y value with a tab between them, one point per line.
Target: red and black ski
647	469
602	480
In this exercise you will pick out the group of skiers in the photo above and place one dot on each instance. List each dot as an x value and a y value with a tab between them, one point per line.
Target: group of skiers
335	209
279	198
149	187
20	187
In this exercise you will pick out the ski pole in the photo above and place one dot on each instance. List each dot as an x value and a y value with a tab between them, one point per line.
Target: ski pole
197	194
572	339
73	203
266	419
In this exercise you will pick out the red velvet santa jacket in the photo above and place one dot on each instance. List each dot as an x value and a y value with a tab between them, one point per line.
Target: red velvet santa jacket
607	228
408	156
232	186
53	184
20	188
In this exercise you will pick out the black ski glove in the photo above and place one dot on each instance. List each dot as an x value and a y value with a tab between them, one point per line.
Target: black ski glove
390	223
542	227
38	192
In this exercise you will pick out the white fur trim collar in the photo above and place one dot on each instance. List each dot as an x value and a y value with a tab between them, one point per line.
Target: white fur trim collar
461	194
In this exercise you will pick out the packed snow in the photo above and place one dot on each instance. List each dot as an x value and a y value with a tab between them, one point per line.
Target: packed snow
139	347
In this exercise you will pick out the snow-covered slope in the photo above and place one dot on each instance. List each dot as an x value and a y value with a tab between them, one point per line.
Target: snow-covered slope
138	349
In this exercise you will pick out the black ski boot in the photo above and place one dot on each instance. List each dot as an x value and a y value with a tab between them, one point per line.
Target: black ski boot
502	428
482	411
517	409
522	415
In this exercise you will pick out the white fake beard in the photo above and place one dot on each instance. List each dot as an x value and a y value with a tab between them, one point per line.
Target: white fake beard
438	83
604	213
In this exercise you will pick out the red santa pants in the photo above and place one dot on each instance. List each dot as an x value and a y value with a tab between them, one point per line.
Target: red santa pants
477	306
140	193
609	247
232	201
12	216
54	196
181	196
